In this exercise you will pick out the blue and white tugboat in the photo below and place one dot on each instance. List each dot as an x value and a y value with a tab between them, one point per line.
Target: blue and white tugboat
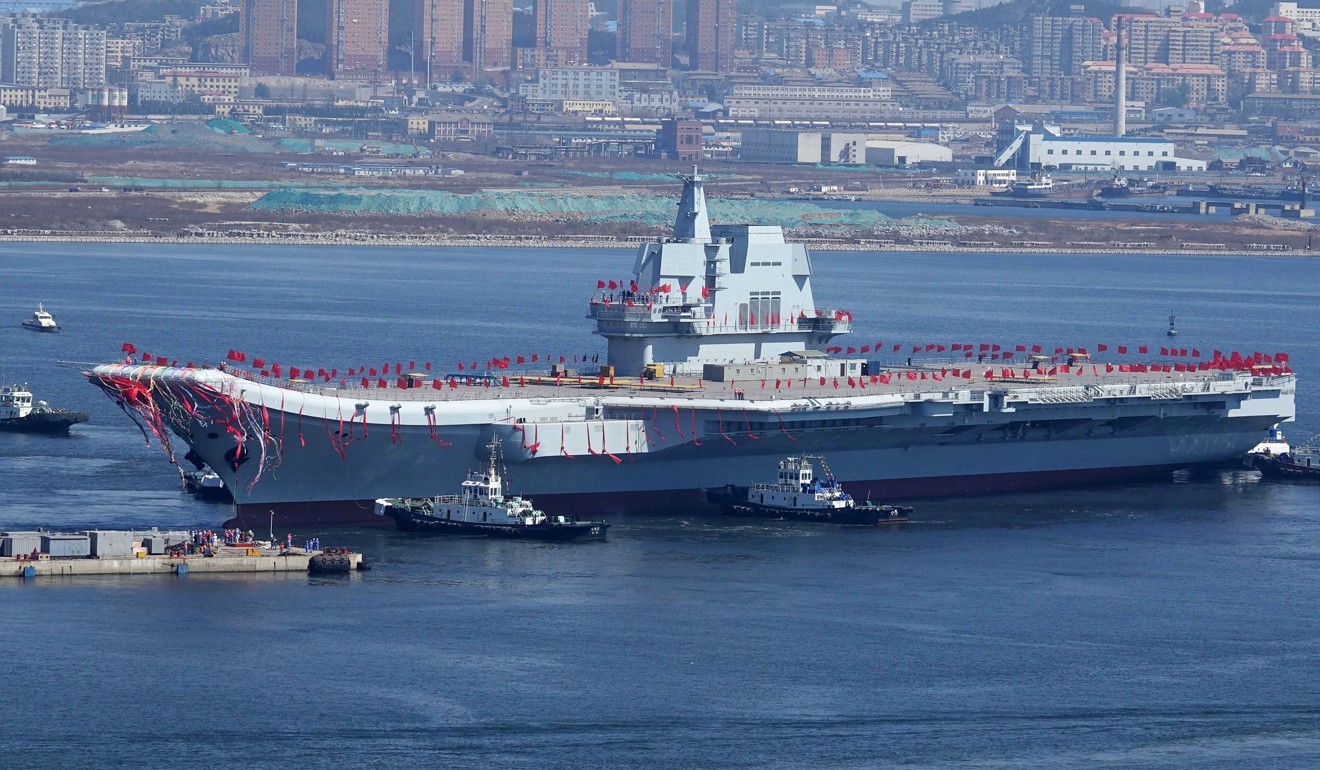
798	494
481	509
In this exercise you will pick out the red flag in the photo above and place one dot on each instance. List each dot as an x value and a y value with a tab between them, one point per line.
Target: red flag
613	285
1142	349
1102	347
600	284
705	292
1122	348
866	348
129	348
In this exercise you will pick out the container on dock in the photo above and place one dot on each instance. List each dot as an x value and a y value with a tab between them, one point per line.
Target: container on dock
156	545
106	544
19	543
66	546
171	536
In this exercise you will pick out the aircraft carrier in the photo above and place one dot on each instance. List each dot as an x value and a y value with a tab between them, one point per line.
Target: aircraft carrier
719	364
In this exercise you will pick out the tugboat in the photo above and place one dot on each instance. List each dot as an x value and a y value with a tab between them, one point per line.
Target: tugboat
19	415
41	321
481	509
799	495
1302	464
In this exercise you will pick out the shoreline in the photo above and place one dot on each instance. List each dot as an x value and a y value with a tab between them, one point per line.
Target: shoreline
609	242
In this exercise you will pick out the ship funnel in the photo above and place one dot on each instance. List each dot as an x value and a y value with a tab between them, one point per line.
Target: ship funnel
692	223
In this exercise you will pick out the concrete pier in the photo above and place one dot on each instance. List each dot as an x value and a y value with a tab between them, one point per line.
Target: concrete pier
227	559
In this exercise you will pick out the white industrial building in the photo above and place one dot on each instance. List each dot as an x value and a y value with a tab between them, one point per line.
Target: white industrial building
770	145
573	83
984	177
1041	148
900	154
765	102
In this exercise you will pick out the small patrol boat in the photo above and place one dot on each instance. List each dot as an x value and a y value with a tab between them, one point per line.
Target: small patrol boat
798	494
481	509
41	321
206	485
18	413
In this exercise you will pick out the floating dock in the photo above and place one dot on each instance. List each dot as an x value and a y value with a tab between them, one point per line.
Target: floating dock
45	554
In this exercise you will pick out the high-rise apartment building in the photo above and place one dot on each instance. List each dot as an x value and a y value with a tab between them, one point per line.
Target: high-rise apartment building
561	32
1162	40
1061	45
489	34
464	36
358	37
645	32
711	27
268	30
51	53
439	36
917	11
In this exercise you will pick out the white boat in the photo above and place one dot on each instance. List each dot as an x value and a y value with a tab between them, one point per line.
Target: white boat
41	321
711	323
1274	443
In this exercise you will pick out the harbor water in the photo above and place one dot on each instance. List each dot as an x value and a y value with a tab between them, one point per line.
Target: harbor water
1173	624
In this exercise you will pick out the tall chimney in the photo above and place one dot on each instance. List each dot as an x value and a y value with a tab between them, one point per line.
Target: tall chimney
1120	81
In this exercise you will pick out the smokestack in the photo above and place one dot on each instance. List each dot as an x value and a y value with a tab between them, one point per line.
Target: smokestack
1120	81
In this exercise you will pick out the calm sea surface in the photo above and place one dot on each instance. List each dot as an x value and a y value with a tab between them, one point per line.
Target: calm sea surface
1164	625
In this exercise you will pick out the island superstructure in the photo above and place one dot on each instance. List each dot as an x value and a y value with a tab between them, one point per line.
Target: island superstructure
713	370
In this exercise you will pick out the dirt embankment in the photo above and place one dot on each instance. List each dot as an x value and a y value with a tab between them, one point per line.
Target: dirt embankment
189	182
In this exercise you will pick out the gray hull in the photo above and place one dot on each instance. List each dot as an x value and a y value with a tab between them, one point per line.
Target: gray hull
622	454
